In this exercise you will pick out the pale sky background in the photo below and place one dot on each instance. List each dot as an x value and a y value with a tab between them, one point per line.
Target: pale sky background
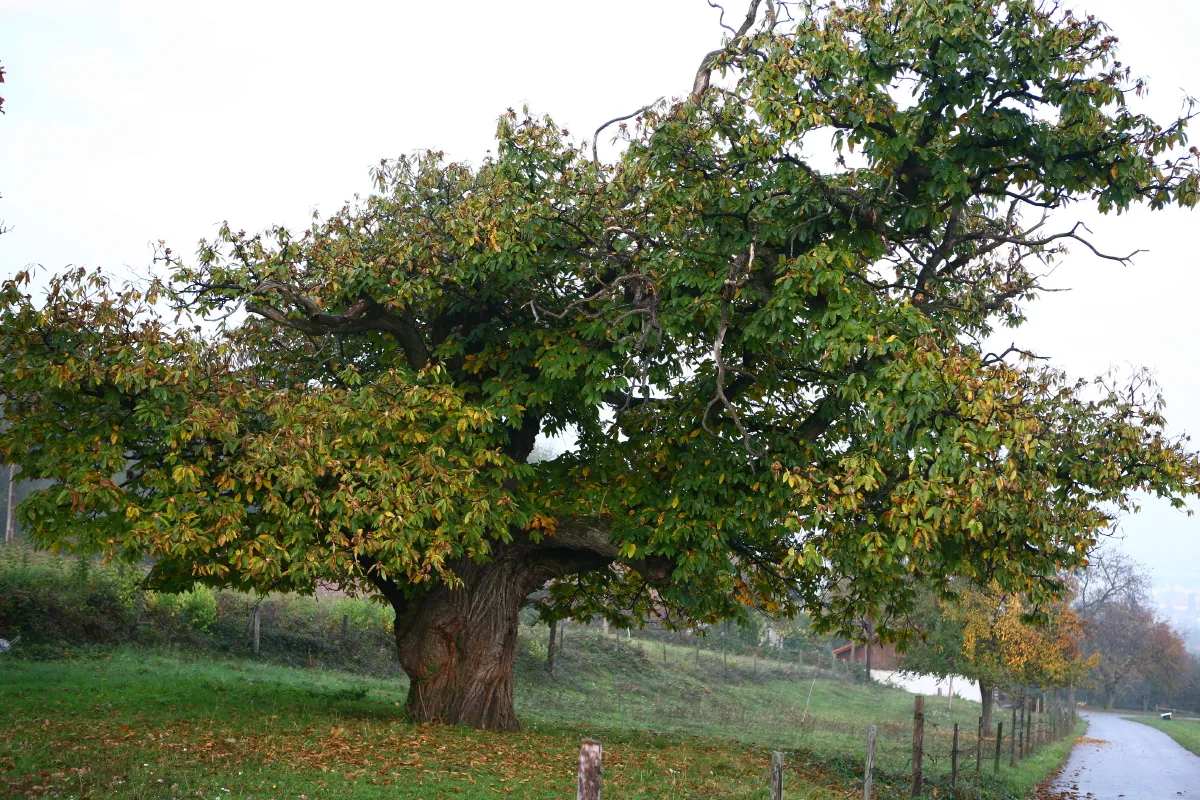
133	121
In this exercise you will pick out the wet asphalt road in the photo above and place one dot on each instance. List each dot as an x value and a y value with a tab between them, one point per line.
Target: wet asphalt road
1134	762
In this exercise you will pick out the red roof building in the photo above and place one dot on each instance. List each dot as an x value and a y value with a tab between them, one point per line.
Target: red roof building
883	656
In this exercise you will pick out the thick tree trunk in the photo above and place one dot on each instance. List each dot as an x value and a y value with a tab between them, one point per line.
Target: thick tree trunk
457	646
1110	691
986	694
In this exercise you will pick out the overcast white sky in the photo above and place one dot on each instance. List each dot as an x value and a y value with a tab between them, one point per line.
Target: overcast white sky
133	121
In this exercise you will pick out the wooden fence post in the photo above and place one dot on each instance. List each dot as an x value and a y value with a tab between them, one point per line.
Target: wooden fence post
254	625
870	763
345	626
590	770
954	759
1035	708
1022	731
1027	714
979	750
918	778
999	739
777	775
1041	721
550	647
1012	744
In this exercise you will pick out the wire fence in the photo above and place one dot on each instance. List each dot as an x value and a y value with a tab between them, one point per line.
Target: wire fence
1035	721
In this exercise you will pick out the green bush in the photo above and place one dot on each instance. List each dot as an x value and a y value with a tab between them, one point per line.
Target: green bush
66	605
49	599
195	609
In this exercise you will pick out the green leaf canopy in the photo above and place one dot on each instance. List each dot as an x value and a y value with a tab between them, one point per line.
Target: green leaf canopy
764	321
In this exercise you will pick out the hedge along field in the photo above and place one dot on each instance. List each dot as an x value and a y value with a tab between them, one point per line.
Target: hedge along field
60	605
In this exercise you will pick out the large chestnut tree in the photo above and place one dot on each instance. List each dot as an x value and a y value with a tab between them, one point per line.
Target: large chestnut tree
763	320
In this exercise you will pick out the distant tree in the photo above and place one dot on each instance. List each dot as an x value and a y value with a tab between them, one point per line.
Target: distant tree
1124	634
1111	576
988	636
772	357
1129	642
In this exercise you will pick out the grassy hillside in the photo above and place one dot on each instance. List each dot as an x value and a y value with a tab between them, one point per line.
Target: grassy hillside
143	724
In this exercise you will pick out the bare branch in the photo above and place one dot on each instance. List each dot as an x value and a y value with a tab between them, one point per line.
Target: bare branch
704	73
596	135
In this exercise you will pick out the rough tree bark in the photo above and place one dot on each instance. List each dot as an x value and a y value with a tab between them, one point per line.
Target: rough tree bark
457	645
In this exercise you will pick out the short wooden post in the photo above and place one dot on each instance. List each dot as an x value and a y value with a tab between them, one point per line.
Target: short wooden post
999	740
918	778
777	775
254	625
345	626
869	766
954	759
1012	745
979	750
590	770
550	647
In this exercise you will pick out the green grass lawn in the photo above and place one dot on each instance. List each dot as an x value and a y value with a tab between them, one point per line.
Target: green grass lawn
143	725
1184	731
133	726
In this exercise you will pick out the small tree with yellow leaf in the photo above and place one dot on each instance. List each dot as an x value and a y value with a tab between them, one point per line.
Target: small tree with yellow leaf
996	639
